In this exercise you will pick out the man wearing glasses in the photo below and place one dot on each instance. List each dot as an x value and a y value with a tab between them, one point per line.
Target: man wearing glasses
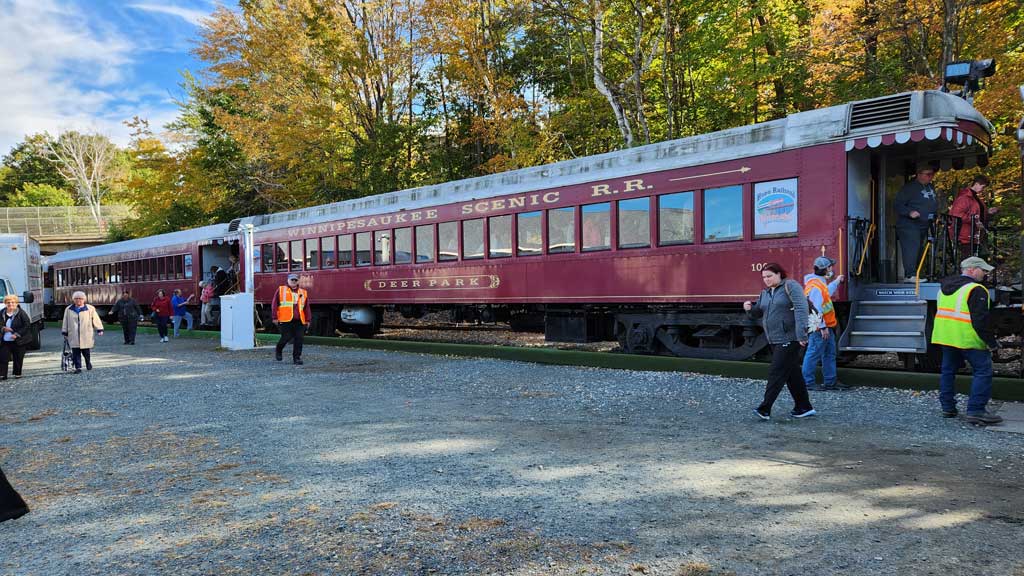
291	316
916	206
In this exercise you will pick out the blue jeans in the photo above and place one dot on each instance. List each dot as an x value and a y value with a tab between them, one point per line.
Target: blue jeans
176	322
823	350
981	381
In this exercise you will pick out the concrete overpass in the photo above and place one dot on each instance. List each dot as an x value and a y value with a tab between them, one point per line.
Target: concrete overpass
60	228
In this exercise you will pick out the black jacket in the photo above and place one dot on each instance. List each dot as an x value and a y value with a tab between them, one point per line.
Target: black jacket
126	310
21	324
977	303
915	196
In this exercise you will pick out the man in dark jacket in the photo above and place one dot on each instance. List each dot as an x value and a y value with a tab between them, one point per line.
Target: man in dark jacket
962	329
916	206
127	311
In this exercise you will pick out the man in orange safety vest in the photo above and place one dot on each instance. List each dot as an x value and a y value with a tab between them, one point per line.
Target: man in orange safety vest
291	314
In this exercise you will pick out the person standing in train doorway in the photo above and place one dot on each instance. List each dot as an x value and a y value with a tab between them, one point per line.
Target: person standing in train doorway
821	342
290	309
916	206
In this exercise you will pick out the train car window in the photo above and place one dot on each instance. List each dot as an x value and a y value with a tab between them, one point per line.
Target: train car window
635	223
312	253
129	271
473	239
561	230
118	271
267	256
597	227
328	256
162	270
281	257
675	219
382	247
528	233
775	208
500	236
447	241
425	243
105	274
180	271
364	244
295	256
344	250
723	214
403	245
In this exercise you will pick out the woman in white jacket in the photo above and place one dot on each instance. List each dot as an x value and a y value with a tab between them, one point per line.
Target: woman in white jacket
80	323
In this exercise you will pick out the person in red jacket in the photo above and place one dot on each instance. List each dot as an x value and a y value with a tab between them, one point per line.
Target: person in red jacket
969	207
161	307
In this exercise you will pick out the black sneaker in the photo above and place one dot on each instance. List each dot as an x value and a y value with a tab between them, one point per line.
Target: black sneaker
950	413
277	355
804	414
762	415
297	361
983	418
837	385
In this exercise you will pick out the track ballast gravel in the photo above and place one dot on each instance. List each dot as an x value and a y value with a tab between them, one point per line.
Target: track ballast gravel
180	458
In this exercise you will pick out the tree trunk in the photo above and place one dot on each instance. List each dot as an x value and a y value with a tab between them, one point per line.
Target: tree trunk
600	81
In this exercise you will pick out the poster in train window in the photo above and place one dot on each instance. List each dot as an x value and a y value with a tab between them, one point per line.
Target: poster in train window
775	208
188	263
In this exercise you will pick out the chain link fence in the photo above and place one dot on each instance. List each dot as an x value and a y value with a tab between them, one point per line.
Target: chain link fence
60	220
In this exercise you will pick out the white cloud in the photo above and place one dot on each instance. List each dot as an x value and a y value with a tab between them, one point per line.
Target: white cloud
188	14
62	71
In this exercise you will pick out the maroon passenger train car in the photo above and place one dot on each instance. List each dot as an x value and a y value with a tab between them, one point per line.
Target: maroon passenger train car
659	243
178	260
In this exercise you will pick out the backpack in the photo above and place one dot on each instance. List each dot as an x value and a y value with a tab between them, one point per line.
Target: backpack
813	316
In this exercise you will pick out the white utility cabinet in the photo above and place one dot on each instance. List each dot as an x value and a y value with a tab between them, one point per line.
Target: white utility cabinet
237	329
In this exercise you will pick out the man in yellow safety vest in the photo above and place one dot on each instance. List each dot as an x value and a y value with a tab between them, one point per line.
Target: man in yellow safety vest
961	329
290	309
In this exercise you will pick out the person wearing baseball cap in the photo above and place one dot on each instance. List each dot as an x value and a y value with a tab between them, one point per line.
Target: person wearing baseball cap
962	331
821	342
290	309
916	205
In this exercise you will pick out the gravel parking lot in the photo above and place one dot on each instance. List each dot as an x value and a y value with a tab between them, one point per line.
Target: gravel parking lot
181	458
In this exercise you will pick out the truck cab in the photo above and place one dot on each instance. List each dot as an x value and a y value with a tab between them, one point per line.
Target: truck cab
21	274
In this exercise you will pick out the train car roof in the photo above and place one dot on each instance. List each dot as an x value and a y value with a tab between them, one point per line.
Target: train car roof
211	232
900	112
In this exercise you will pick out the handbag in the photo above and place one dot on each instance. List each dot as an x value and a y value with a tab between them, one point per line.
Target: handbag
66	363
813	316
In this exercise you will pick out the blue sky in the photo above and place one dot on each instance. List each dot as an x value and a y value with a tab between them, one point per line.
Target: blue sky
92	64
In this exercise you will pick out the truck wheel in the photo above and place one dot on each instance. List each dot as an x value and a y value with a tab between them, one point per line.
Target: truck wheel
37	343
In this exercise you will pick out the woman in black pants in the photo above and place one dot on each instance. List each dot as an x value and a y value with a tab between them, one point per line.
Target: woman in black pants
17	335
782	307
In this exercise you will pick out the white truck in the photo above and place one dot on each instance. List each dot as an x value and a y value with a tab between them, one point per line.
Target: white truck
21	274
